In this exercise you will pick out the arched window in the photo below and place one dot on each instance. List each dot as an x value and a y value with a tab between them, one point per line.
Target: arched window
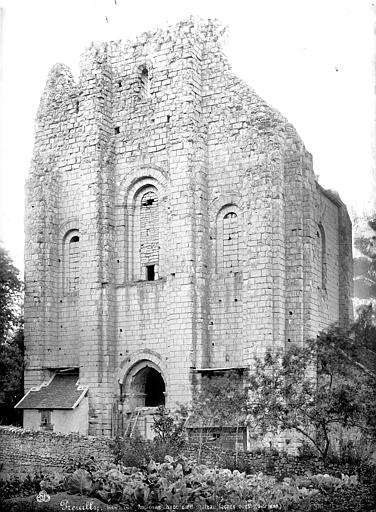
321	257
149	235
140	228
228	240
144	83
72	261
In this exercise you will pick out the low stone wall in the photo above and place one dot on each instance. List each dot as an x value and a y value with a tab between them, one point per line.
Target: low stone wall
24	450
280	465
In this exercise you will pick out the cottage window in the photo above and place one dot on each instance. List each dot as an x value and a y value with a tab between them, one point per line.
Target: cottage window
45	419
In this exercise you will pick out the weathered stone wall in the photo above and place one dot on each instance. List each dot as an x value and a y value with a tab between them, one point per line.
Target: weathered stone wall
22	451
163	117
280	465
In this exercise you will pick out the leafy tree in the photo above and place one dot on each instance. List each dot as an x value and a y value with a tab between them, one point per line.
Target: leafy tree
365	327
313	390
365	262
10	295
11	376
365	241
169	426
221	400
11	339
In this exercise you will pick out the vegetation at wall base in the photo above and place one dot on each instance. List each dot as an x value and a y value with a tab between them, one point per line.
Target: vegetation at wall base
11	341
364	233
182	483
316	389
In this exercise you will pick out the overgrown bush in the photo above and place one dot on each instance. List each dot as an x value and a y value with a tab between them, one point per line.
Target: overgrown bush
355	452
316	389
16	485
170	439
345	499
31	484
132	452
80	462
169	428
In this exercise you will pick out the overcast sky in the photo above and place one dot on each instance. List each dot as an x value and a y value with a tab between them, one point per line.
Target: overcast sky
313	60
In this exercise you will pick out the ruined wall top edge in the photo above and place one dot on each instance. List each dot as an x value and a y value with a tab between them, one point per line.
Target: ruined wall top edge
192	37
192	30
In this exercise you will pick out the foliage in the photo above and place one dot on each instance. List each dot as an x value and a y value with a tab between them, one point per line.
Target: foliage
80	482
313	389
365	326
136	452
356	452
365	264
11	376
221	400
11	340
345	499
78	461
10	295
365	238
132	452
53	483
170	439
15	485
169	427
180	483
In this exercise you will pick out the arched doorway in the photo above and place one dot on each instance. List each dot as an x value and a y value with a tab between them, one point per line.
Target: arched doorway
144	385
144	389
148	387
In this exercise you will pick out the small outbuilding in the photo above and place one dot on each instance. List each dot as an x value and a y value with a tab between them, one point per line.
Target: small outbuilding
58	405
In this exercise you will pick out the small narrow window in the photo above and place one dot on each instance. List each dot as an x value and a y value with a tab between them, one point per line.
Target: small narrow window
150	272
144	84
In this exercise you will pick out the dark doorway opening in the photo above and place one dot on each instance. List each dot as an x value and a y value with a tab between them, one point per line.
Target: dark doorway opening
154	389
148	383
150	272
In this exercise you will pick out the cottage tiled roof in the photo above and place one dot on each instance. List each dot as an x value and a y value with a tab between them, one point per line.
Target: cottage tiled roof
62	392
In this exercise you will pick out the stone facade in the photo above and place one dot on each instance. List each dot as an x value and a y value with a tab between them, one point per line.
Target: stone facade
173	223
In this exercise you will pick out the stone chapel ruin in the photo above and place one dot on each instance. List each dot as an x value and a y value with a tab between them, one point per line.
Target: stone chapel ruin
174	229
